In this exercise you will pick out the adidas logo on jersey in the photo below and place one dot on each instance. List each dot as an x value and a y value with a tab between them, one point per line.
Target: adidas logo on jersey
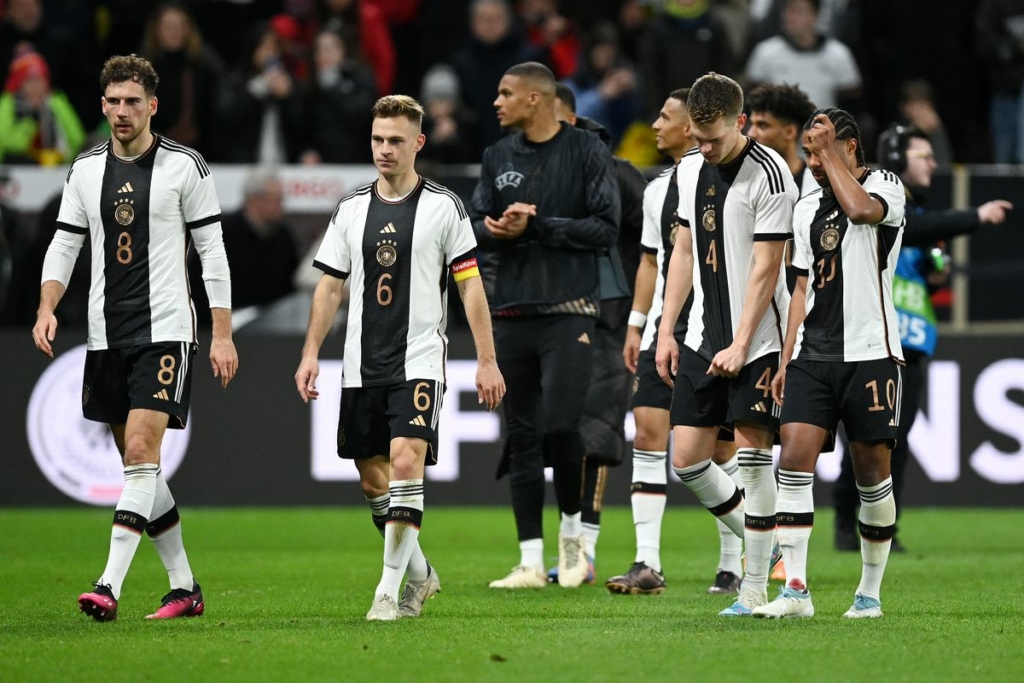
583	338
127	187
759	407
418	421
162	395
388	229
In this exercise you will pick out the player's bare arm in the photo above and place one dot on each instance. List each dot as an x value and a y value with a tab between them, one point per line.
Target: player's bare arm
839	163
223	356
643	295
677	288
45	329
760	287
490	385
797	313
327	299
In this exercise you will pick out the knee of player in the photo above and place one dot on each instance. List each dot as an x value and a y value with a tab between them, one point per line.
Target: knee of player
138	450
373	488
407	458
650	437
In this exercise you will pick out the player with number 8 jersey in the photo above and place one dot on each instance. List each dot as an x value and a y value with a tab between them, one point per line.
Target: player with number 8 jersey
141	200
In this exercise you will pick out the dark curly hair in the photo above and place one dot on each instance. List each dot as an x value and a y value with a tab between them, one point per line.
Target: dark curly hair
121	68
787	103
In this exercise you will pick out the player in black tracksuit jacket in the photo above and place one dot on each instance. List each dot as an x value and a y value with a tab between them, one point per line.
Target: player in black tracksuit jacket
545	208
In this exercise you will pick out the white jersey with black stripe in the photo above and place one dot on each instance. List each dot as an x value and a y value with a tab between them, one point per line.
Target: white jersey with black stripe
652	241
396	256
849	308
727	209
140	216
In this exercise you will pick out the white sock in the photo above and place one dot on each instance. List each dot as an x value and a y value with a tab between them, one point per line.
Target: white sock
648	499
715	491
877	525
417	569
730	546
571	526
759	504
590	535
165	532
405	516
795	519
134	508
531	553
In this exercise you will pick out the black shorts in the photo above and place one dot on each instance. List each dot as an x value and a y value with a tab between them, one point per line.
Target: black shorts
150	376
648	389
372	416
703	400
865	395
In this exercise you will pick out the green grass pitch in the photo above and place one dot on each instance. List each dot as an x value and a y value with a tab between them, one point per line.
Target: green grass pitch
286	591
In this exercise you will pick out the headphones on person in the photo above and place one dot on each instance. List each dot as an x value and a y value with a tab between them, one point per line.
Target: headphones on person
892	147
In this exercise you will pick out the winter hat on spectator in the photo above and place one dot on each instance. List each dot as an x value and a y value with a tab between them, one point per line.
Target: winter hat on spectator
24	67
440	83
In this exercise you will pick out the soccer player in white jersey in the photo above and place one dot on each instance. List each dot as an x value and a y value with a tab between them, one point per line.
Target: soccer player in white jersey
651	398
736	205
395	241
140	199
843	338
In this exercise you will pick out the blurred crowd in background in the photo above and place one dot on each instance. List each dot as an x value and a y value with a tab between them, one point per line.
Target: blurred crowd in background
270	82
292	81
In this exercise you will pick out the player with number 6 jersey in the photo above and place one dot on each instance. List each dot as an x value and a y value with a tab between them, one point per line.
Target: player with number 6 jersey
395	241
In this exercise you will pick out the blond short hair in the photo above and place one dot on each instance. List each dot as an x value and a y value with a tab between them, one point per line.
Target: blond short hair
714	96
392	106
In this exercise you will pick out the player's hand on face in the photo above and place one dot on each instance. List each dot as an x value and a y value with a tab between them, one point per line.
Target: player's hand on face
822	134
667	359
779	385
490	385
44	331
224	360
631	349
305	379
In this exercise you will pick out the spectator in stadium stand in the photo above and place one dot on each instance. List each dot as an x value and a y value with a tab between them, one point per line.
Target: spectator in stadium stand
545	208
606	85
64	42
602	424
1000	45
394	374
260	116
259	244
917	108
451	128
38	125
921	268
494	44
842	356
140	199
549	30
822	67
338	104
735	213
190	75
682	41
364	26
